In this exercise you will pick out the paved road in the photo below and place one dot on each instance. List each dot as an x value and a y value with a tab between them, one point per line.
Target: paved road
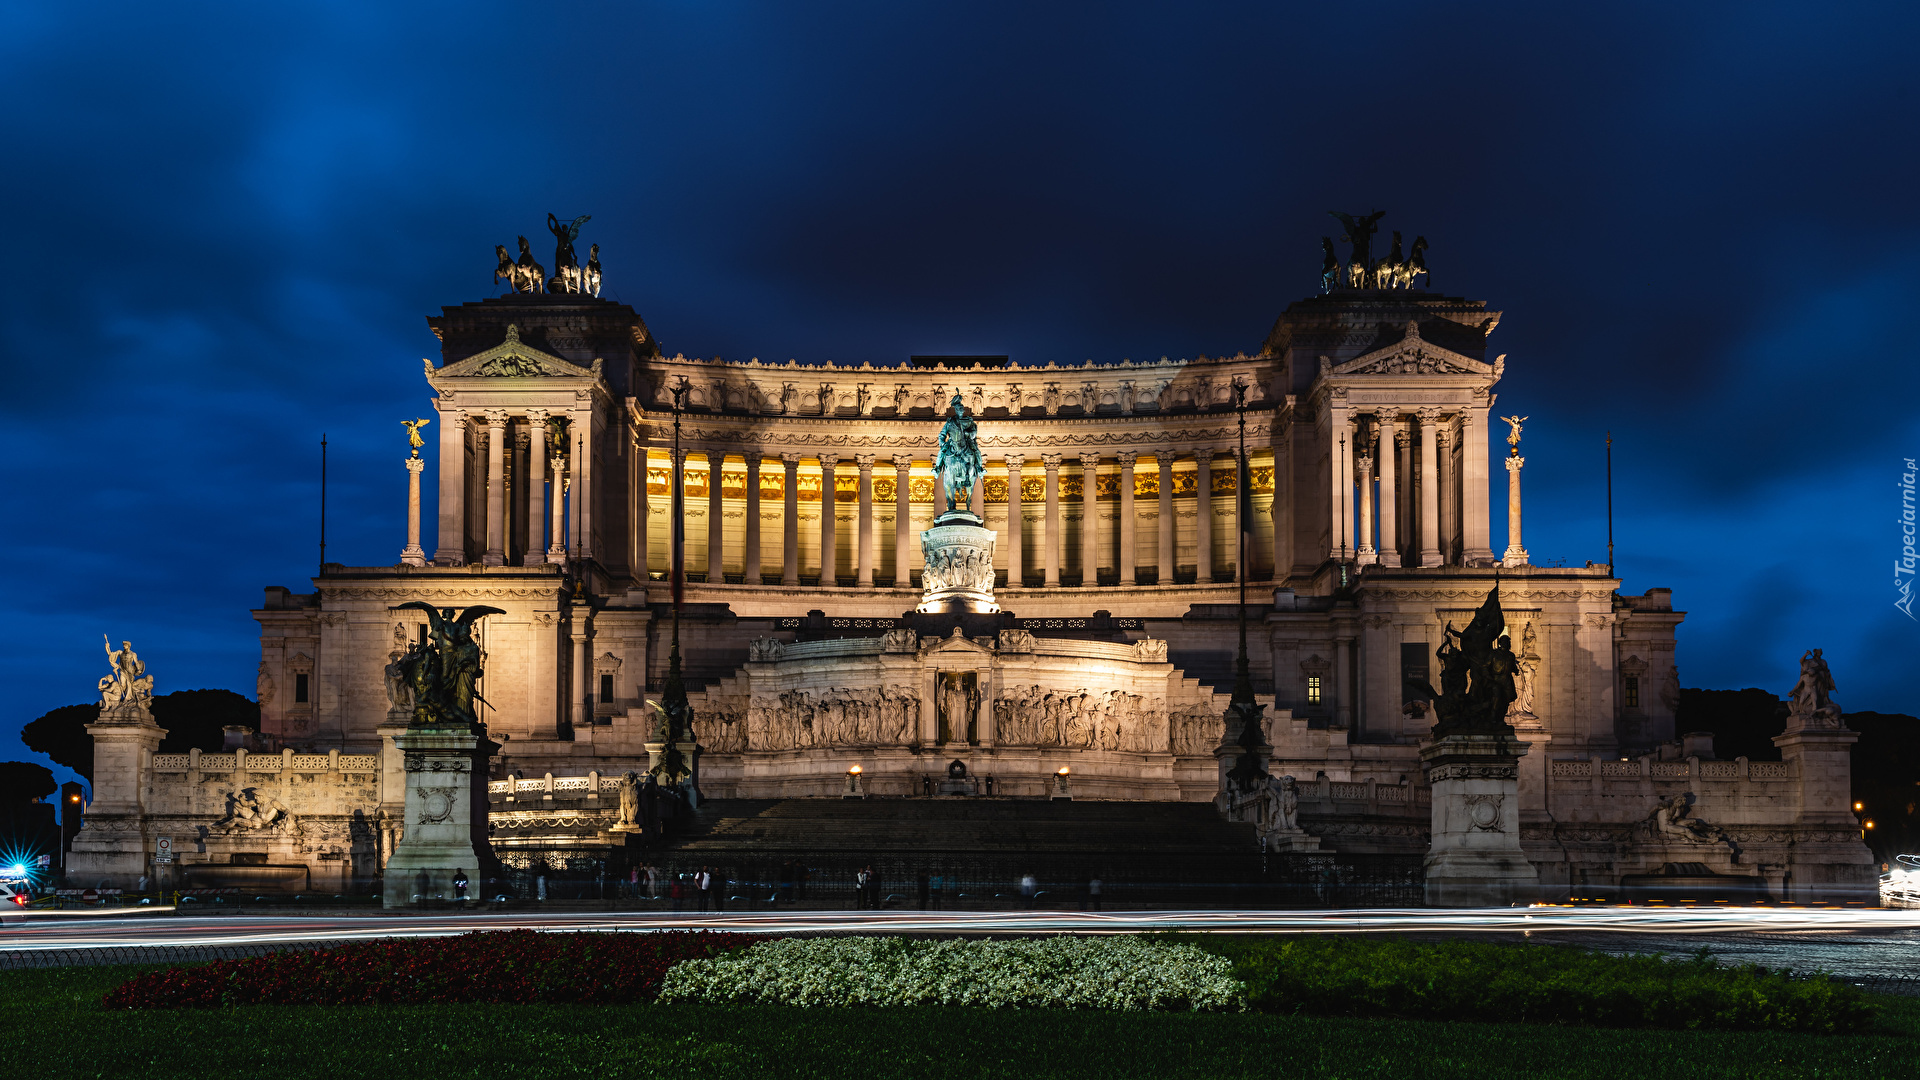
1877	948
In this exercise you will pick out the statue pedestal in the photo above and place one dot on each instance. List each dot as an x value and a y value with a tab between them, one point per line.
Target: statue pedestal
1474	859
445	828
958	576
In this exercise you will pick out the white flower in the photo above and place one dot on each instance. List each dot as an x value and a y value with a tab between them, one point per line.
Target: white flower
1058	972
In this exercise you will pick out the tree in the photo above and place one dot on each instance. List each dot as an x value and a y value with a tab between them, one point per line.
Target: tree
62	736
1743	722
194	720
22	782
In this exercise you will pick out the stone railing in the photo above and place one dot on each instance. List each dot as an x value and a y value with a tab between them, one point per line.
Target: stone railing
1379	797
1737	769
263	762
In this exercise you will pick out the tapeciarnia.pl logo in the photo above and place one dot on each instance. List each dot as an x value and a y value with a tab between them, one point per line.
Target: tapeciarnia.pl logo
1903	567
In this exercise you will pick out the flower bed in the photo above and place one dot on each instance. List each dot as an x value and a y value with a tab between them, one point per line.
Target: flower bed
1059	972
1463	980
501	967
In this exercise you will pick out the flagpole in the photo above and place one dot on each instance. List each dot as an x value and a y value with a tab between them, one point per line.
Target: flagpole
1609	504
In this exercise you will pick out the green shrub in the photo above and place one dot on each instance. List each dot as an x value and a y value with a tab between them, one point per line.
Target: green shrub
1463	980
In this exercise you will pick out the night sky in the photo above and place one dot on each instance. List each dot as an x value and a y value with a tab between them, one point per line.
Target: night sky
225	223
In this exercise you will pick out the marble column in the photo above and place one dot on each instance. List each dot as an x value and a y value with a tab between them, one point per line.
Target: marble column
1516	554
829	558
1127	559
1476	538
1167	532
1367	553
496	488
1052	524
536	548
581	666
1409	508
557	536
450	545
1389	491
902	521
641	515
1280	510
977	500
576	486
716	520
1339	483
677	516
1203	517
865	536
412	555
1089	521
1016	523
1429	487
1449	497
583	483
790	522
750	560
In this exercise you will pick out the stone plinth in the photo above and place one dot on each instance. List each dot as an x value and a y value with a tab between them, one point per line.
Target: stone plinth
112	847
440	840
1474	859
958	576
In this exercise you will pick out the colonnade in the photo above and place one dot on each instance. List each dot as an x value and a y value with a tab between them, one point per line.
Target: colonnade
1414	490
511	501
1063	538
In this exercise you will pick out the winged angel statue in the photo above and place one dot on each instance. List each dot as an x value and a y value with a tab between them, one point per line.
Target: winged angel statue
443	672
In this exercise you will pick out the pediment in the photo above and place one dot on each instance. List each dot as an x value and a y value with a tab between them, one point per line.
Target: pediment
514	359
958	643
1413	355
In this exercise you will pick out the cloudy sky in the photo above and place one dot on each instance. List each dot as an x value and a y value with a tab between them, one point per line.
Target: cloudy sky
225	223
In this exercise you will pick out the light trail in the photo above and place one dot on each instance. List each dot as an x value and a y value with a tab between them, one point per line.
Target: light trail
175	931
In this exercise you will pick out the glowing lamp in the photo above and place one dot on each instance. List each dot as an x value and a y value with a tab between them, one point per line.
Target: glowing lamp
1063	770
855	770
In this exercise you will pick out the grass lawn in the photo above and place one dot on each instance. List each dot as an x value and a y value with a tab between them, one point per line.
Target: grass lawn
51	1025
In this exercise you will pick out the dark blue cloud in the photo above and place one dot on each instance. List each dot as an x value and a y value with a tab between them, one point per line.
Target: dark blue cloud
227	221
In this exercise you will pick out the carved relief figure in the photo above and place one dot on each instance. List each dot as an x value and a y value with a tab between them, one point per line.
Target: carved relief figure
630	799
797	719
591	282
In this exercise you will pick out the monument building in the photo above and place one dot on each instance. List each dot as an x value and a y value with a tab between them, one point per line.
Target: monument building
1059	613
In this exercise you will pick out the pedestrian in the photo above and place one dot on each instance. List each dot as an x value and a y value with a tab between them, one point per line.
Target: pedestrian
460	887
679	891
703	884
860	889
653	882
1029	890
938	886
873	888
540	887
1093	892
633	883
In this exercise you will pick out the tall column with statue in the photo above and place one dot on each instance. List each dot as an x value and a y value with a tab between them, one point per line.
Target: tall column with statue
412	554
1516	553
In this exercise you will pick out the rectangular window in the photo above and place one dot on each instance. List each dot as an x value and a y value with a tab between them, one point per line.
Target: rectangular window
1633	691
1313	689
1413	671
300	689
606	689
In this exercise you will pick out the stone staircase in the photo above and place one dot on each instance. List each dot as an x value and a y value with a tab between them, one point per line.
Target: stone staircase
961	827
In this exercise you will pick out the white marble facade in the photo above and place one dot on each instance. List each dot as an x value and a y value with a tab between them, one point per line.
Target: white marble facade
1117	508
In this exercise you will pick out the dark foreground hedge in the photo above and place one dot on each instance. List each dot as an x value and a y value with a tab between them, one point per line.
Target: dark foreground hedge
500	967
1463	980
